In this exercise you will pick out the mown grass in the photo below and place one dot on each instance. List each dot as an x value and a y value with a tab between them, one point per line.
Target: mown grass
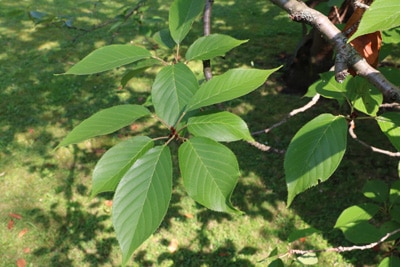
61	225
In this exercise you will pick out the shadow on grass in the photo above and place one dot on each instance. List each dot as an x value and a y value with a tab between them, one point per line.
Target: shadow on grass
75	228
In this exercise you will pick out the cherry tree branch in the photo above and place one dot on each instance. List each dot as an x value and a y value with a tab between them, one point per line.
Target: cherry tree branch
294	112
343	249
207	31
346	55
372	148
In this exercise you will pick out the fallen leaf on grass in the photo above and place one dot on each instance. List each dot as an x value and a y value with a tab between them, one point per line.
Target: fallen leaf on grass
188	215
173	245
108	203
15	216
21	263
22	233
10	224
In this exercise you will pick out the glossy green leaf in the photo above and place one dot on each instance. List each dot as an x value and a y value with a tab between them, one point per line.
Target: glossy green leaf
389	123
392	225
354	224
391	36
309	258
164	38
113	165
232	84
222	126
381	15
297	234
210	172
182	14
362	232
109	57
173	88
211	46
391	261
364	97
104	122
356	214
376	190
328	87
141	199
394	193
314	153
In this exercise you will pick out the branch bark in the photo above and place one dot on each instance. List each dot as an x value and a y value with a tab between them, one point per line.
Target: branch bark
207	31
347	55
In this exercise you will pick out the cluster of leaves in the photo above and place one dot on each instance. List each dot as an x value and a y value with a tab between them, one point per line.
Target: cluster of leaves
139	169
317	149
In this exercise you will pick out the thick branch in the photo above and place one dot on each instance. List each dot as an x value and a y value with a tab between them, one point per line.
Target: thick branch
207	31
347	55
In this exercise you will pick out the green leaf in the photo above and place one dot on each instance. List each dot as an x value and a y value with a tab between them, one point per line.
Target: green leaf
211	46
141	199
107	58
138	68
276	263
391	261
273	253
389	123
309	258
182	14
362	233
353	222
381	15
391	36
113	165
395	213
210	172
232	84
164	38
328	87
314	153
297	234
356	214
104	122
376	190
222	126
365	97
173	88
394	194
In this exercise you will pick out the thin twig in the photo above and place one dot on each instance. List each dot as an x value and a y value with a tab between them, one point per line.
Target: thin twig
372	148
343	249
207	31
265	148
294	112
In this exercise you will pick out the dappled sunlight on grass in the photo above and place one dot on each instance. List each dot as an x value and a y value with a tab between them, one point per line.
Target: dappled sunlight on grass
60	225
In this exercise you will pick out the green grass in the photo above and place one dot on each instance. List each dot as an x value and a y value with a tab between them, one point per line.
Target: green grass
50	188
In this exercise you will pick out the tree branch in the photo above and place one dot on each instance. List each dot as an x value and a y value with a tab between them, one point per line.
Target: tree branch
374	149
347	55
294	112
343	249
207	31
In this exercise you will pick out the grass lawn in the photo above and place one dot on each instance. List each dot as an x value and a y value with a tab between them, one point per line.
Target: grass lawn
47	217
